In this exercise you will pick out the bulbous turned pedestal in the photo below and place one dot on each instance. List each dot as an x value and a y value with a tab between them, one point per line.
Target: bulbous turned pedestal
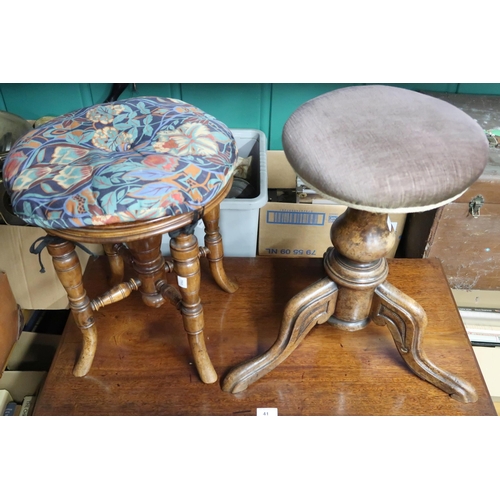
357	264
362	237
354	292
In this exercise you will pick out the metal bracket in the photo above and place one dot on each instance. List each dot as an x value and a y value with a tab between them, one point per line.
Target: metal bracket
475	205
493	136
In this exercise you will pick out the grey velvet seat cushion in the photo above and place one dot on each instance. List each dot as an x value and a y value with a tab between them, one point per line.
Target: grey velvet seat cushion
385	149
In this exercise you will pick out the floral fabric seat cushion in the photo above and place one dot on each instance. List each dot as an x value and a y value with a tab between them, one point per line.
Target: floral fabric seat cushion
134	159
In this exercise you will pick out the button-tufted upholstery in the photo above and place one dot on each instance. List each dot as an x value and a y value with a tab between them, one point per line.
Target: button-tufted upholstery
134	159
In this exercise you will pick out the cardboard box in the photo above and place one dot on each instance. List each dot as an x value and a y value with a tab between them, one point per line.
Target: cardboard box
22	383
300	229
11	320
280	174
482	299
303	230
31	288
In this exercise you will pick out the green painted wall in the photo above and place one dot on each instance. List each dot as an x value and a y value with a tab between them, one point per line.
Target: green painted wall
262	106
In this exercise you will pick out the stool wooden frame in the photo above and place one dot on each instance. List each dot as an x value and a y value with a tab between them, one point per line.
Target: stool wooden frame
143	242
354	292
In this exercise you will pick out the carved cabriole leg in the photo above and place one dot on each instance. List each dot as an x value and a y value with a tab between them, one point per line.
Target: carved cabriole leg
213	241
312	306
357	264
69	272
184	251
149	264
407	321
112	250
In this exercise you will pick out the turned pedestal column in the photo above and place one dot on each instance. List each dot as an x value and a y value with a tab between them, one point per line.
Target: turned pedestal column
354	292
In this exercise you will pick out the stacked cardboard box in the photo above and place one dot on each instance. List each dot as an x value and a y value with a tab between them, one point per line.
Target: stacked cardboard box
300	228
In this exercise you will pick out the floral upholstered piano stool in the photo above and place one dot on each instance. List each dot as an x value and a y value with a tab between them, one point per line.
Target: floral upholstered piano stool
122	174
137	159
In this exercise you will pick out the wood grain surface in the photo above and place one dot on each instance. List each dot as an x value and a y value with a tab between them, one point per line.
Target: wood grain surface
468	247
143	364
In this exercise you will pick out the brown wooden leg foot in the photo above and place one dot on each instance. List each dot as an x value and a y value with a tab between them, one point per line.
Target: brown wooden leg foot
312	306
407	321
201	358
184	251
115	259
69	272
213	241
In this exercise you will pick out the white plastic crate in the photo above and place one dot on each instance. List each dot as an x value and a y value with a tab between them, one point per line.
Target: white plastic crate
239	217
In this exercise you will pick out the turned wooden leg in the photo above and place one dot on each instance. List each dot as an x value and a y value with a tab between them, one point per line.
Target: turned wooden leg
312	306
149	265
213	241
184	251
115	259
69	272
407	321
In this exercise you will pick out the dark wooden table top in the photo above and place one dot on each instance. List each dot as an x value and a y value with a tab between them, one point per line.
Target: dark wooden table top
143	364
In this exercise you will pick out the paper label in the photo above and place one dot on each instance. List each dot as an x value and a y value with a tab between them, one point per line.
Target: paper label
267	412
392	226
182	282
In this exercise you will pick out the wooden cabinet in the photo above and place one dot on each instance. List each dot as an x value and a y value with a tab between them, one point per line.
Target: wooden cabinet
465	234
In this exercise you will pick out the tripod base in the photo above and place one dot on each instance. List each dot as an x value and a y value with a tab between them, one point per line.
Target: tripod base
353	294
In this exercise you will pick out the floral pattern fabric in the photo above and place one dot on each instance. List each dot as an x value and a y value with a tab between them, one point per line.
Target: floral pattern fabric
134	159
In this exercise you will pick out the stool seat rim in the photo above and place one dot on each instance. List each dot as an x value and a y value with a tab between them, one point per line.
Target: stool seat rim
385	149
137	230
379	210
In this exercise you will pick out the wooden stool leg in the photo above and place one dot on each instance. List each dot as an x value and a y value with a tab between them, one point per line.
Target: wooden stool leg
149	265
213	241
112	250
407	321
69	272
184	251
310	307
